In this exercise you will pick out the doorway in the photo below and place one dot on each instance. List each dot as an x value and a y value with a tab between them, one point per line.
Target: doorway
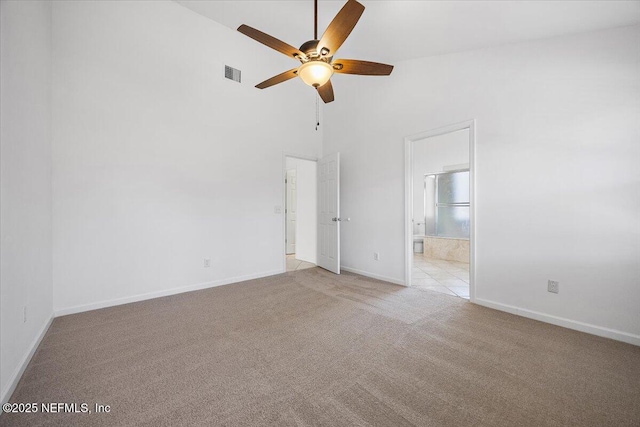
440	220
300	213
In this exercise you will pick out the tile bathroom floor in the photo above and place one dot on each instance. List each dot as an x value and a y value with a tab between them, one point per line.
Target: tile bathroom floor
294	264
448	277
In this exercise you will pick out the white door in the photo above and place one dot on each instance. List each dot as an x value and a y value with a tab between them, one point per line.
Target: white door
290	211
329	213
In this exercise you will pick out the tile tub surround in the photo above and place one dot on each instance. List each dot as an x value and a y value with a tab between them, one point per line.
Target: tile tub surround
446	248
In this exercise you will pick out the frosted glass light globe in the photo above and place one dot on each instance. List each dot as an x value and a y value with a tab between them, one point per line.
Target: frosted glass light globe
315	73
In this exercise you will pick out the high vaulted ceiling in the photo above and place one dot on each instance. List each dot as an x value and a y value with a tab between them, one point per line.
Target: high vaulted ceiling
392	31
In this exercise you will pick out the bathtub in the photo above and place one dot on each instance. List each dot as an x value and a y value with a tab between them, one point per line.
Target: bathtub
447	248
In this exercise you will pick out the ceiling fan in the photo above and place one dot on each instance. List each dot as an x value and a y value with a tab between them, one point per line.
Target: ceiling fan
316	56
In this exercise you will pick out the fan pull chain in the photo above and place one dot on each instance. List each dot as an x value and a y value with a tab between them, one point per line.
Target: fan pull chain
317	111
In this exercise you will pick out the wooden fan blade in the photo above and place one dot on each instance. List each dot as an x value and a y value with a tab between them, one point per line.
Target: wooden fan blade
363	68
282	77
326	92
340	28
270	41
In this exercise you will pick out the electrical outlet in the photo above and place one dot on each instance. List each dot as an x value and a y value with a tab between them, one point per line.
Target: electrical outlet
376	256
24	314
553	286
207	262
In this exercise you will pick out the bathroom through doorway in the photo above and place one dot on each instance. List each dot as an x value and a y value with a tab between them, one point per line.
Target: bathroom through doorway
440	206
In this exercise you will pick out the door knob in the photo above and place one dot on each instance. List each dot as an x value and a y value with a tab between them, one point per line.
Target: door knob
340	219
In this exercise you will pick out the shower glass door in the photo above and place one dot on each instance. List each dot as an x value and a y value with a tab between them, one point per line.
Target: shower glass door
447	204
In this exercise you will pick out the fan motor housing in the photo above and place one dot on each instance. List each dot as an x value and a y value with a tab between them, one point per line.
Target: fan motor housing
310	48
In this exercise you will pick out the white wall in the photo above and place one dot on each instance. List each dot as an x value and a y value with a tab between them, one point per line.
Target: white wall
558	182
160	162
25	197
307	208
433	155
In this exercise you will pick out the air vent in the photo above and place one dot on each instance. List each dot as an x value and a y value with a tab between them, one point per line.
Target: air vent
231	73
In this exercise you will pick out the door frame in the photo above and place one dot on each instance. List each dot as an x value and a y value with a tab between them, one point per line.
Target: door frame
408	197
286	154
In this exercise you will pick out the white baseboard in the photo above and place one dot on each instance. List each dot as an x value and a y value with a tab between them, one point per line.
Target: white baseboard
561	321
164	293
373	276
15	379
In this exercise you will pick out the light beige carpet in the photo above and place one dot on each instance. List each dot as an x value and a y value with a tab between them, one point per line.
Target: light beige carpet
312	348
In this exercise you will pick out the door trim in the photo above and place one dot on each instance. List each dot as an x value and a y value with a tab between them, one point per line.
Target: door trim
408	197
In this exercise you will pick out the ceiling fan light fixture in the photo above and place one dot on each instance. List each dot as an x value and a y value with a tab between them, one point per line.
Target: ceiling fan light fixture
317	55
315	73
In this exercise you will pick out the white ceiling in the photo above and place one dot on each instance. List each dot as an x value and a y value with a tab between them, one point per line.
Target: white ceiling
392	31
